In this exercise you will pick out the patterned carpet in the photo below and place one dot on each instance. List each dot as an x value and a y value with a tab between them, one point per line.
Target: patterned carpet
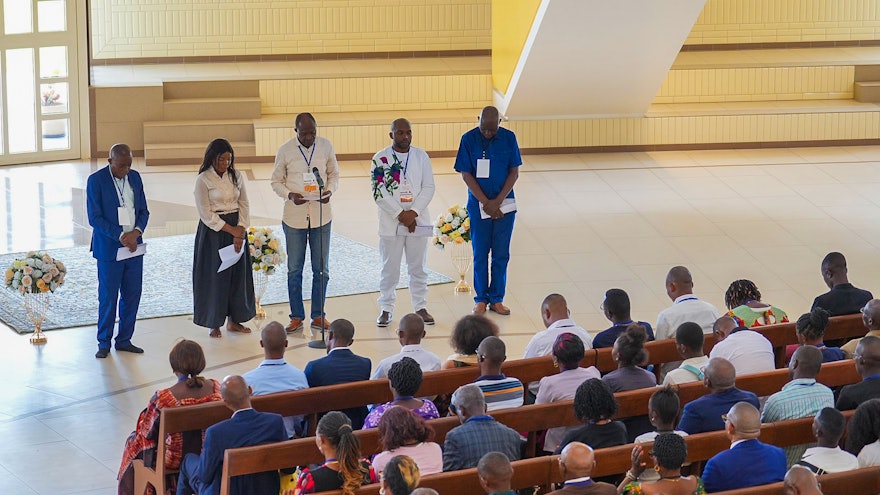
354	269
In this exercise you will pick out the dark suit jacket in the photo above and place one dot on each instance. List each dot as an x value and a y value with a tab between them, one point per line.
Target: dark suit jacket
341	366
704	414
854	394
102	202
842	299
244	428
750	463
594	488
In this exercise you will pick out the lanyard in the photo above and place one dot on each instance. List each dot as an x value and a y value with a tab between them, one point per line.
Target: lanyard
119	190
686	299
405	165
488	143
309	159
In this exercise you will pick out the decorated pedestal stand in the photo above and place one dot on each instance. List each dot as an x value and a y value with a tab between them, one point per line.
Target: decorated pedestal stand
261	281
453	230
461	259
265	255
37	305
35	277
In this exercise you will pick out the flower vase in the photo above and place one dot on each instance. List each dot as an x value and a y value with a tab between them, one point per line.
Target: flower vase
36	305
461	259
261	282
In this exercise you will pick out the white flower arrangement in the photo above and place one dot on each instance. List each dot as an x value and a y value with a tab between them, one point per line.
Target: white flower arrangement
452	226
36	272
264	249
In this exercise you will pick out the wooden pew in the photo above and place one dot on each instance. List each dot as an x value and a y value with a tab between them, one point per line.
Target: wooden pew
530	419
865	481
310	402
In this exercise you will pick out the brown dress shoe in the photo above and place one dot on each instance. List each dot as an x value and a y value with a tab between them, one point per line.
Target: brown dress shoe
499	308
384	319
295	325
480	308
319	323
426	317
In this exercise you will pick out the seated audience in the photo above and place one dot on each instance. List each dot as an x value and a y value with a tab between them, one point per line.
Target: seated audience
557	319
203	474
743	300
617	309
827	456
402	432
340	365
410	332
274	374
686	307
863	438
495	473
871	319
689	344
576	463
404	378
478	433
499	390
704	414
748	462
187	362
867	361
749	351
668	453
568	350
802	397
663	409
629	353
801	481
400	476
811	331
344	467
595	405
843	298
466	336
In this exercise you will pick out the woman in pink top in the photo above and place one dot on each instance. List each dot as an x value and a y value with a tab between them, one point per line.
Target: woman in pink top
402	432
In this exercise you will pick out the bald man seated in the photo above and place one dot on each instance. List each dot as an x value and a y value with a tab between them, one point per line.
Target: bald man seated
499	390
871	320
867	361
495	473
704	414
246	427
749	351
748	462
410	332
576	463
801	481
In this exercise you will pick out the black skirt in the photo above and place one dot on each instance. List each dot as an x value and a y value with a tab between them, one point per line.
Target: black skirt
228	293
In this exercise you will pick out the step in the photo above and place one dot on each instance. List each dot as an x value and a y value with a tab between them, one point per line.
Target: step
867	91
866	73
212	108
190	153
210	88
191	131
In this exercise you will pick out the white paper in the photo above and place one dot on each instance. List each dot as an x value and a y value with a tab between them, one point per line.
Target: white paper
123	253
314	197
507	206
421	231
229	257
482	168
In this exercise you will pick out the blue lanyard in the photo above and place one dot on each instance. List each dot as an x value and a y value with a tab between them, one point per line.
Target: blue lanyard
405	165
686	299
309	159
120	190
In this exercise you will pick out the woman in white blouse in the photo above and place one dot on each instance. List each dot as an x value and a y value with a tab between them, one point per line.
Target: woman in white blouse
224	214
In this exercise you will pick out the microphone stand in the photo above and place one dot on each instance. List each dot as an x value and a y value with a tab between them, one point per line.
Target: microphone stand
320	344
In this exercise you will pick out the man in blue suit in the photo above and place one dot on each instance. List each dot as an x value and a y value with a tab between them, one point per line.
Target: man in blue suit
246	427
704	414
340	365
748	462
118	215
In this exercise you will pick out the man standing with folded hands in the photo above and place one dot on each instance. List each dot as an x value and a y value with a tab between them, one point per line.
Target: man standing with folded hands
403	185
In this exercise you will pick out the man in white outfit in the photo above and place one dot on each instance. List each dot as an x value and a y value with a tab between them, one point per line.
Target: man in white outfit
403	186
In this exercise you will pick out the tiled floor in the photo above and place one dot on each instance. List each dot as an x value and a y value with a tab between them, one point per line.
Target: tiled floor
586	223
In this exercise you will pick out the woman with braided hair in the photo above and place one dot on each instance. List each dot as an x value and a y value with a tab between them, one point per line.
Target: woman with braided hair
811	331
404	378
668	454
743	300
343	468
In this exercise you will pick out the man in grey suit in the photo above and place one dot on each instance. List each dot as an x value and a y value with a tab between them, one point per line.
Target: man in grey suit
478	434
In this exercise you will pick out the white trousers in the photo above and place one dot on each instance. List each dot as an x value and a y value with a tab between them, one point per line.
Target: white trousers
391	249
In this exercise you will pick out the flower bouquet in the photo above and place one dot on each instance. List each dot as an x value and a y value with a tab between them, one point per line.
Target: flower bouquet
265	256
35	277
453	226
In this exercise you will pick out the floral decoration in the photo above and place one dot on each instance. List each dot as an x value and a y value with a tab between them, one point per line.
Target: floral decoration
385	176
36	272
264	249
452	226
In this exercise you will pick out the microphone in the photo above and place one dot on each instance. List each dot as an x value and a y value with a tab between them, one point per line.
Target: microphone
318	177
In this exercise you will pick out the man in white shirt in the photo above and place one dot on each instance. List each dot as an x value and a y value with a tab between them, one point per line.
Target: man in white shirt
403	186
748	350
689	343
410	332
827	456
555	314
685	307
304	166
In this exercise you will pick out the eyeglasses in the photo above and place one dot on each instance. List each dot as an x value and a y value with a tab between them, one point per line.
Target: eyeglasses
453	409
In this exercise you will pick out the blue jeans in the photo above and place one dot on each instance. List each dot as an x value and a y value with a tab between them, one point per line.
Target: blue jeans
296	257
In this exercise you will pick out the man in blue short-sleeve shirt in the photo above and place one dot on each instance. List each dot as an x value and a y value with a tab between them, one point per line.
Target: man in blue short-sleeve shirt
488	160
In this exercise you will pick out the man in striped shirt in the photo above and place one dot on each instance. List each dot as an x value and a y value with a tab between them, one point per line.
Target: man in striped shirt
500	391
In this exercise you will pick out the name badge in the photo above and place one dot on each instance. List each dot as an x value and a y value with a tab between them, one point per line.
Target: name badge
310	185
124	215
482	168
406	194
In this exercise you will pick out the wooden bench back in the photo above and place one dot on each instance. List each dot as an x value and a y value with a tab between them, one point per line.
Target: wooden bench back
864	481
